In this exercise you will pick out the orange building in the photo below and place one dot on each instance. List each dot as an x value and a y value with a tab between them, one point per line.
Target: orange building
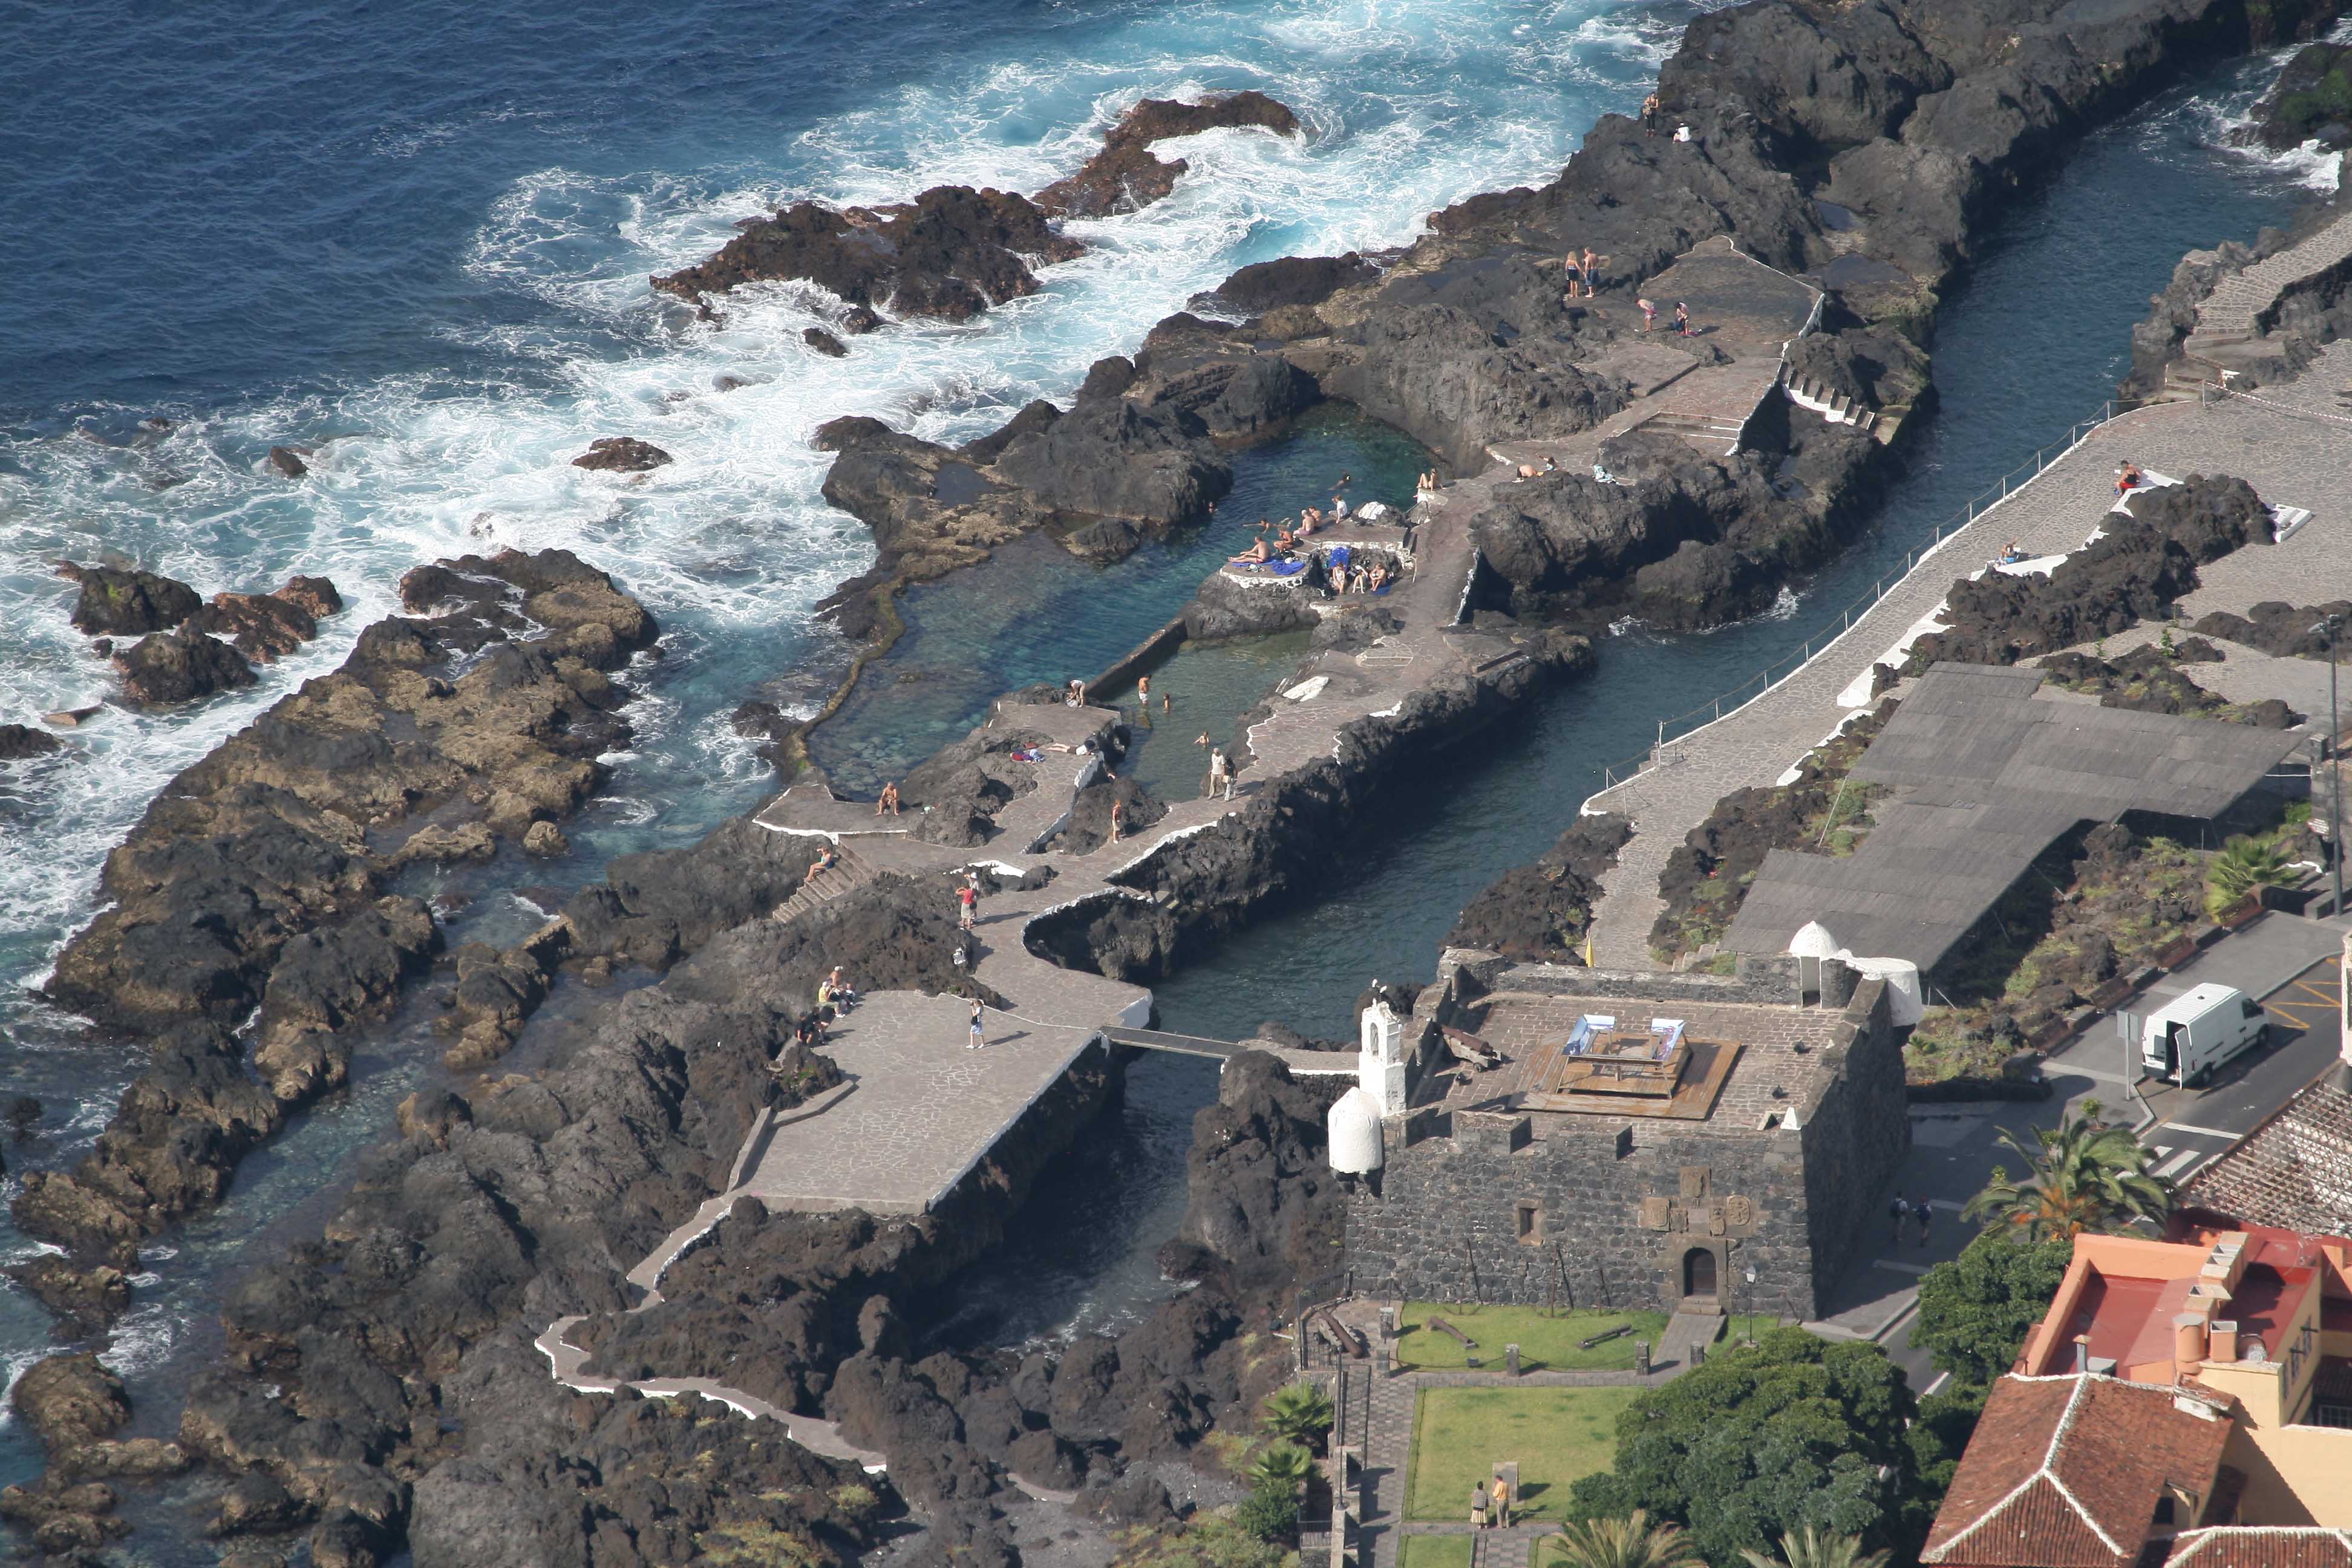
2188	1401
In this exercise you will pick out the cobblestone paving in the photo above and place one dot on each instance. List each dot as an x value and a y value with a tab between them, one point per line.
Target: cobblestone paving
2289	460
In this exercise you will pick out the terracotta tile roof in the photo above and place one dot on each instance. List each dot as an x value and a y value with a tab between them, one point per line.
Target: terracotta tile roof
2295	1170
2066	1472
2262	1546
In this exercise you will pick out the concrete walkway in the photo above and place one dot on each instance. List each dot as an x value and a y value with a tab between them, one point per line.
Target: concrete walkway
2288	460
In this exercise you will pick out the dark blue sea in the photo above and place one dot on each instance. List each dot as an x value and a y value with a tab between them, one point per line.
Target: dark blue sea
414	240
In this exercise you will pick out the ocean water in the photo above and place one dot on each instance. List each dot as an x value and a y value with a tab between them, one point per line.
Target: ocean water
415	239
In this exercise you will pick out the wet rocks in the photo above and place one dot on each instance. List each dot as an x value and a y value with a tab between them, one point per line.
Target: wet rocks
1295	280
1124	176
1539	913
166	668
84	1301
260	876
545	840
117	603
70	1401
824	342
1105	476
1228	606
18	741
2139	568
621	454
2312	101
267	626
951	253
288	462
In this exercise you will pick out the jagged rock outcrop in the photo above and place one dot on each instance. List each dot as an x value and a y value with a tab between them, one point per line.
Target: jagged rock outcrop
951	253
164	667
117	603
621	454
2277	627
2141	566
261	875
19	741
1125	174
1261	1210
1539	913
2311	100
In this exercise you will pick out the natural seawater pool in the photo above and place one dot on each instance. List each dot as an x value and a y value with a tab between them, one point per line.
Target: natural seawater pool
2035	340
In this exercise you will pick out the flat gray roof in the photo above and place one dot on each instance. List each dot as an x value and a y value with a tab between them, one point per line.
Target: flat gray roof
1985	774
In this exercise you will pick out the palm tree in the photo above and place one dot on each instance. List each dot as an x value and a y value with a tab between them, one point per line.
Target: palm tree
1631	1542
1298	1413
1809	1548
2243	865
1284	1466
2084	1177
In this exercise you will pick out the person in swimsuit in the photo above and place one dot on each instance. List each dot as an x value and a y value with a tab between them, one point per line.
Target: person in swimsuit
1252	555
888	804
1649	309
1681	318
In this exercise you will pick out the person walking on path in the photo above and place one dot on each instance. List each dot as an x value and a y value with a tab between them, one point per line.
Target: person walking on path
1924	1212
1117	819
968	896
1899	1211
1649	309
1221	773
979	1029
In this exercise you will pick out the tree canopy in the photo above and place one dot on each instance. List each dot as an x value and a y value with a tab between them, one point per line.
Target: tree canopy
1763	1440
1974	1311
2083	1175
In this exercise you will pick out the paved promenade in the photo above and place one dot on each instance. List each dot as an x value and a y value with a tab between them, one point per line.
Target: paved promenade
2289	459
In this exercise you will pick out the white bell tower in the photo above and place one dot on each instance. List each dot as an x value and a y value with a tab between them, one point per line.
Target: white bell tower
1380	1065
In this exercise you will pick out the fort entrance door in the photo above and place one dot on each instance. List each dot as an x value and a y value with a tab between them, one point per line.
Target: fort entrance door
1698	1271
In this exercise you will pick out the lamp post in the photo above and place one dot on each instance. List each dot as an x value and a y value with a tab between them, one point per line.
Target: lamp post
1752	1303
2329	628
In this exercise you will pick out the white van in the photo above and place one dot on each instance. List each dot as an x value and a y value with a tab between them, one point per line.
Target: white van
2189	1036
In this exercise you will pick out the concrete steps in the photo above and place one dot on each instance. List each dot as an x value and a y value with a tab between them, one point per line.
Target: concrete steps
1835	406
852	871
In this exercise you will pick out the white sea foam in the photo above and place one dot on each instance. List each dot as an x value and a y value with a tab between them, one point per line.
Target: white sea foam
1407	108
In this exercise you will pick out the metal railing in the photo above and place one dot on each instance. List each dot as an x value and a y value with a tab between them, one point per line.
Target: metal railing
1730	702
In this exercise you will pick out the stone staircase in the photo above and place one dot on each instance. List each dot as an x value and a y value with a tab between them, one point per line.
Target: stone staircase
1704	429
2230	317
1835	406
1686	1332
851	872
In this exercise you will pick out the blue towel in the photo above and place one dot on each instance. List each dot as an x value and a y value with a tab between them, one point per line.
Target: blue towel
1285	568
1338	556
1382	589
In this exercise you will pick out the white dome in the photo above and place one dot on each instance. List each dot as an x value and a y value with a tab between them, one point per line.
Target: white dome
1906	1004
1353	1124
1813	940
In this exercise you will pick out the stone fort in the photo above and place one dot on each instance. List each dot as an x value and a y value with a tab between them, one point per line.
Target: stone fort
1547	1134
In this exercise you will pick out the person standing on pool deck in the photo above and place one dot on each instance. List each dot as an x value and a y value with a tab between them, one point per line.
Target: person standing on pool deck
979	1029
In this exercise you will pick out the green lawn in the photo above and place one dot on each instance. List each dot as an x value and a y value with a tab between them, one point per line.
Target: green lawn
1437	1551
1547	1342
1555	1435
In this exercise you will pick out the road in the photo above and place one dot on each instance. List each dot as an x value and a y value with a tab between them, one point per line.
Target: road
2292	964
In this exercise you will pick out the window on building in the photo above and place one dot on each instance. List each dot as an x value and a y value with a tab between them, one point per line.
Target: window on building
1528	1223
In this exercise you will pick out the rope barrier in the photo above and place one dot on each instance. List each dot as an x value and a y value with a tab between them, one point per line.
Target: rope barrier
2276	408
